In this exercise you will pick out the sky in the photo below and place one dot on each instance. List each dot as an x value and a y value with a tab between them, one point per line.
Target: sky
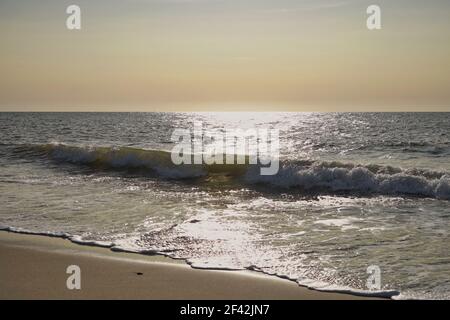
224	55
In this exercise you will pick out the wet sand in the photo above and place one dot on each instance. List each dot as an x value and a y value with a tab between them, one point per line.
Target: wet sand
34	267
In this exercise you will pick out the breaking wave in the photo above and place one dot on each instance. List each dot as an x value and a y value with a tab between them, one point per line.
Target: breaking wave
302	175
337	177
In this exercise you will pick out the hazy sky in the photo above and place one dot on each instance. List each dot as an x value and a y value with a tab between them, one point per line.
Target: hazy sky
224	55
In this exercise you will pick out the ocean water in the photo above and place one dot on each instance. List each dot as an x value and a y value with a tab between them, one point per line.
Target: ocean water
354	190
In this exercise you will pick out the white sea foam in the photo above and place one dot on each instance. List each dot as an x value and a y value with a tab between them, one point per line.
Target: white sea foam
357	179
326	287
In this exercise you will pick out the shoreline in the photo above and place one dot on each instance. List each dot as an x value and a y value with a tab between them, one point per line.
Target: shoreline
34	267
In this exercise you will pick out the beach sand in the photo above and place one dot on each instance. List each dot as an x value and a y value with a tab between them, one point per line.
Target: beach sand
34	267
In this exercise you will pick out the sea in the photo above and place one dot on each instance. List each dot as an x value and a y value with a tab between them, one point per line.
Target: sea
355	192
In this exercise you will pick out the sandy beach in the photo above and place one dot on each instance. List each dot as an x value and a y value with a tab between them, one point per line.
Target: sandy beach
34	267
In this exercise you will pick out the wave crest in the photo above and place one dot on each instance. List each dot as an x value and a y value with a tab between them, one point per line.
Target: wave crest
357	179
302	175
